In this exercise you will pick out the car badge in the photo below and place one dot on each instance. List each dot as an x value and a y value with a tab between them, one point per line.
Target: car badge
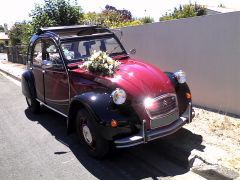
164	103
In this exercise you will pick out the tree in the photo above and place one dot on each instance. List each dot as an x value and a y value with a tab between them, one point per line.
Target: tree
111	17
20	33
124	15
185	11
56	13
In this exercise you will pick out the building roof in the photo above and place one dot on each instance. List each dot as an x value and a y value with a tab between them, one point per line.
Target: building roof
3	36
216	10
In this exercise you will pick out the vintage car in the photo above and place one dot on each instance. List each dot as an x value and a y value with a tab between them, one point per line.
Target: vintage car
132	104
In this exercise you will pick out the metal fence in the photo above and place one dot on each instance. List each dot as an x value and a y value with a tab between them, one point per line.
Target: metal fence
17	54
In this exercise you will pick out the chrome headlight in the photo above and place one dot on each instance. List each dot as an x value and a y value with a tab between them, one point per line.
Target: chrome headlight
119	96
181	76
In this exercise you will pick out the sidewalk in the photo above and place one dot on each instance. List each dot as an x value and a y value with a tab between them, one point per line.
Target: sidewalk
12	69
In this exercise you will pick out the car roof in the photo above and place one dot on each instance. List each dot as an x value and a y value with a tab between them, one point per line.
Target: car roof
64	32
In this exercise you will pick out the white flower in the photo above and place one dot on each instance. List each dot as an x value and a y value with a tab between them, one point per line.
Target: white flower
111	67
109	60
105	56
102	63
95	55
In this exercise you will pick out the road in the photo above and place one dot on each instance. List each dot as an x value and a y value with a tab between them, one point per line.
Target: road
38	147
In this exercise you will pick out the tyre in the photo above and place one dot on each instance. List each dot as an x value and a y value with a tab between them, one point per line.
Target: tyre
95	145
33	105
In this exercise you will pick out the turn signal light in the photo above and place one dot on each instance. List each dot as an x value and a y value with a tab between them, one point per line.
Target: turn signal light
114	123
188	95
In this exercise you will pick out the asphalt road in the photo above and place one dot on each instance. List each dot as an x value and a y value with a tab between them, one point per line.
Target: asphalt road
38	147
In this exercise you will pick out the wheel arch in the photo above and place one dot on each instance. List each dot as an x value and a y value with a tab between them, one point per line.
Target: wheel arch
84	101
73	110
181	91
28	84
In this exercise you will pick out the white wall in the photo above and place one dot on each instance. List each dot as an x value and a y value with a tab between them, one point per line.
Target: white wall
3	56
207	48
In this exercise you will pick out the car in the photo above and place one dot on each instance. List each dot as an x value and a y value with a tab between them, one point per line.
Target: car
108	98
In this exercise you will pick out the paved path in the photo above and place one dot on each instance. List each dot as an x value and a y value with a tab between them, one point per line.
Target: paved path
13	69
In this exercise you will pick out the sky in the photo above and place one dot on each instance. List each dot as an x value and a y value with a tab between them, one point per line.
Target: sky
12	11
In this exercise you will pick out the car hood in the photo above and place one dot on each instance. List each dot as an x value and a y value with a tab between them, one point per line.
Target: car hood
137	78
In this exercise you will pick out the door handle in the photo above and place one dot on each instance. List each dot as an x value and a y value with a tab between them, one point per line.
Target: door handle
43	71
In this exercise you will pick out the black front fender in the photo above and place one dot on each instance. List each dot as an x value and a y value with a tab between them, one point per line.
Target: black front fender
181	91
103	110
28	85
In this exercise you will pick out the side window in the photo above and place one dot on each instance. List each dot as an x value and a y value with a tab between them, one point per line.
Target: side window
51	53
37	54
68	50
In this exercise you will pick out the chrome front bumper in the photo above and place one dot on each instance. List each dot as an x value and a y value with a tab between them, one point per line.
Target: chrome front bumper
145	136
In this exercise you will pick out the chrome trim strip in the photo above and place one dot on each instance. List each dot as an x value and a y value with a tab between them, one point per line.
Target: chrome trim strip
52	108
166	114
144	131
130	145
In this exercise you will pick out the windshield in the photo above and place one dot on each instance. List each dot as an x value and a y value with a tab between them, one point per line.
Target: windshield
81	49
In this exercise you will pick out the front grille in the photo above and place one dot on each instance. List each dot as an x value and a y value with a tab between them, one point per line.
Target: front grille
164	105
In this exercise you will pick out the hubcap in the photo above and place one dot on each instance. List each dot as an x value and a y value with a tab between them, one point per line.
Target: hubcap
87	134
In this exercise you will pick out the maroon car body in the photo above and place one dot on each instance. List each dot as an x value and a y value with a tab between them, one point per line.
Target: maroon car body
86	99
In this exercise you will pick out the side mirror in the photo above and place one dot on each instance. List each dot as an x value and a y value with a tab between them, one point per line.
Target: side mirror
133	51
47	64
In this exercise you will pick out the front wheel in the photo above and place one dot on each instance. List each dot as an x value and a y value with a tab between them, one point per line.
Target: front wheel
87	133
33	105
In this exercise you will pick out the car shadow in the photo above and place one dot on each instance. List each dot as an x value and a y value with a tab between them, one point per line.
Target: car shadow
143	161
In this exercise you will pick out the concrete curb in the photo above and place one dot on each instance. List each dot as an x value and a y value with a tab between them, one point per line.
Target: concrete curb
9	74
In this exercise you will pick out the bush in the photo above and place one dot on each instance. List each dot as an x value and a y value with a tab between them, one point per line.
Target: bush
185	12
146	19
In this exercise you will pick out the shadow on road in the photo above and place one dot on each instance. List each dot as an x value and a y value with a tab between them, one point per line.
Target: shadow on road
144	161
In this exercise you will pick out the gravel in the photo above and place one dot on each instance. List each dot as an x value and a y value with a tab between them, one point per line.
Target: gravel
220	136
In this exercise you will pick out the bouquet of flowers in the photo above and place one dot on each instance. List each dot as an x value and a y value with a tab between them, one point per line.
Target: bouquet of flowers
101	63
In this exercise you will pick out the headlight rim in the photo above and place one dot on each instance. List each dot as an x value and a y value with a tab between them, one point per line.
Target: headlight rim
117	90
181	76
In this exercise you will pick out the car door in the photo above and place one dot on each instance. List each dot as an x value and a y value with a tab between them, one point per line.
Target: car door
56	84
37	69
